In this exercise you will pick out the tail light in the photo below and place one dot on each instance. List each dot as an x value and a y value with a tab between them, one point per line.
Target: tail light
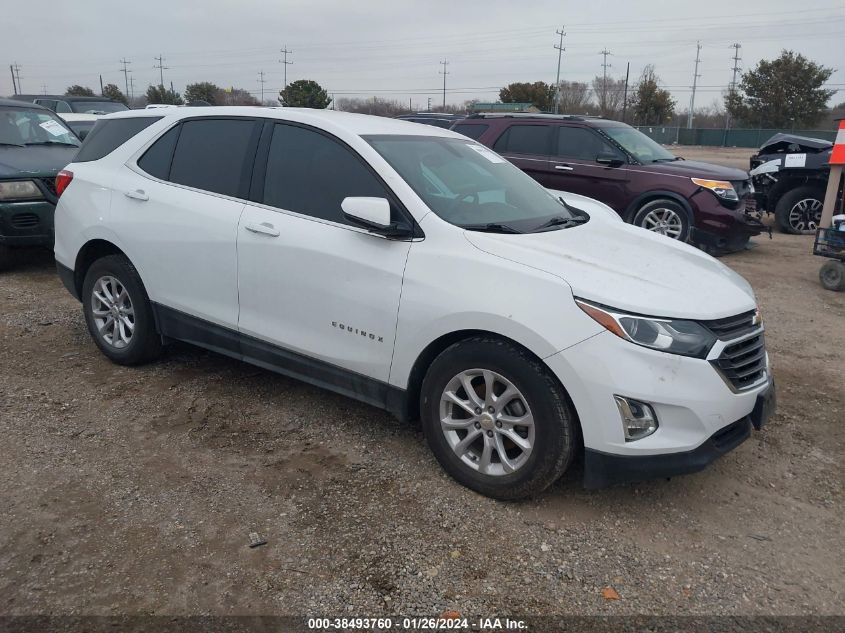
63	179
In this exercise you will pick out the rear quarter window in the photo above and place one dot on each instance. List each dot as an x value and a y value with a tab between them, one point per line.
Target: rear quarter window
471	130
108	135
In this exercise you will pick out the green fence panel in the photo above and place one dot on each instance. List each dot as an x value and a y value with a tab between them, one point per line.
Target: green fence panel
727	138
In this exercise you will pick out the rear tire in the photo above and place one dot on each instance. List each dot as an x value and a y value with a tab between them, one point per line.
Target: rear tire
512	395
799	211
118	312
832	275
665	217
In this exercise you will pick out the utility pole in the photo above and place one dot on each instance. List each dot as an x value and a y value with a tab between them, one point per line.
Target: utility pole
605	66
44	89
429	104
14	83
560	50
286	63
444	72
101	84
262	81
625	98
132	87
161	68
17	72
695	77
125	71
732	88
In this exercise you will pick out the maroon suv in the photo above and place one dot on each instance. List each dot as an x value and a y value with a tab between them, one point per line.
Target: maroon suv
612	162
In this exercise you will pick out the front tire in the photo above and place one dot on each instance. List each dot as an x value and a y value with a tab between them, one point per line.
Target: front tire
832	275
496	419
118	312
665	217
799	211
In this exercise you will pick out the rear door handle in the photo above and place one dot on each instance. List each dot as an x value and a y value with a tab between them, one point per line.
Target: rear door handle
564	168
136	194
265	228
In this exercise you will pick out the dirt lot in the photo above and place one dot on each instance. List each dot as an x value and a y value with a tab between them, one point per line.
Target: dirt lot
135	490
727	156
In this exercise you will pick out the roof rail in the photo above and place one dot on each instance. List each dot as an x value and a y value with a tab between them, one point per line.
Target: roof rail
531	115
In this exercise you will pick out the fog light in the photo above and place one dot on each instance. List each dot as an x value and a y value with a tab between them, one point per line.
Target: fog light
638	418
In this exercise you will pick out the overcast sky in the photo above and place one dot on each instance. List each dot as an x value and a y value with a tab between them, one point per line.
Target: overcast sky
393	48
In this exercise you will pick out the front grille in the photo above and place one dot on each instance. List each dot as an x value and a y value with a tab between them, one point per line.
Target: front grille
49	185
732	327
743	364
24	221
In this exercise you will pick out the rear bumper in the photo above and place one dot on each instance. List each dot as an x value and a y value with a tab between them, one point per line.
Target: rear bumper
27	223
604	469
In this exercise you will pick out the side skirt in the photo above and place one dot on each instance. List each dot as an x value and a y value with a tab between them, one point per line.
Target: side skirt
178	325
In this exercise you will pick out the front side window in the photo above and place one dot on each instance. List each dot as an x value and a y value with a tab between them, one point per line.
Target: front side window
525	139
20	126
212	154
310	173
581	143
47	103
62	106
468	185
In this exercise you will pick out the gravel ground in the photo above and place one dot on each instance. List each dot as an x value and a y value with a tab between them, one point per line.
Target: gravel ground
134	490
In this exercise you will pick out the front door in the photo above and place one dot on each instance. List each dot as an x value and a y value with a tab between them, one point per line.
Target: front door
309	281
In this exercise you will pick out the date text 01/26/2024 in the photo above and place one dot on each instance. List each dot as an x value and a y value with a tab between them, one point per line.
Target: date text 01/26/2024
417	624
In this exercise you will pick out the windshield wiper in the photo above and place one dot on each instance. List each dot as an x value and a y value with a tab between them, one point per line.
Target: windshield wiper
51	143
667	160
561	221
491	227
11	145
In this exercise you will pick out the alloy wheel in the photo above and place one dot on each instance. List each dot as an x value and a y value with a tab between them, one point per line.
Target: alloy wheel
114	315
805	214
664	221
487	422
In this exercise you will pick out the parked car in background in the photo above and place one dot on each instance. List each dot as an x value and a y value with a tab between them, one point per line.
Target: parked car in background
437	119
432	278
34	145
61	104
790	176
704	204
81	124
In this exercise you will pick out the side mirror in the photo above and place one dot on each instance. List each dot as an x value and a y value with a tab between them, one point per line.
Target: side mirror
373	214
610	159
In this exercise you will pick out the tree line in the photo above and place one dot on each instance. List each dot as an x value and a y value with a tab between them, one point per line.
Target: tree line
784	92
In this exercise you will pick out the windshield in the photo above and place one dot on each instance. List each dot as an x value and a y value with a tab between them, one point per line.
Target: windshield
469	185
97	107
19	126
638	144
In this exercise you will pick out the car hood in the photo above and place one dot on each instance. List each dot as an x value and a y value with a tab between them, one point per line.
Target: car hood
695	169
35	160
629	268
782	142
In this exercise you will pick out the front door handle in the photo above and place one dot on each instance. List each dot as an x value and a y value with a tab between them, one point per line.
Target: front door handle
265	228
564	167
137	194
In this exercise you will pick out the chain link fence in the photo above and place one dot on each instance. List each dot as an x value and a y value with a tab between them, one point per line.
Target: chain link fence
723	138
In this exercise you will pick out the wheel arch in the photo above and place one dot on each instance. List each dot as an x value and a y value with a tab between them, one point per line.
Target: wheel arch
90	252
657	194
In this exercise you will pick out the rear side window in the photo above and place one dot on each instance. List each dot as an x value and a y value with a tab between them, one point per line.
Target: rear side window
156	160
311	174
524	139
468	129
211	154
107	136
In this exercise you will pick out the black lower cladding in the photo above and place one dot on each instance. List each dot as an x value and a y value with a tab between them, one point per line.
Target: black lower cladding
67	277
190	329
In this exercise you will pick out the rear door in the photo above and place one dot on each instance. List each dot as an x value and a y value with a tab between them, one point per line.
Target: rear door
177	213
528	146
311	282
574	166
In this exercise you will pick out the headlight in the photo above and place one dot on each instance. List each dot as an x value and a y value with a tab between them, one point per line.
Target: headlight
19	190
722	188
674	336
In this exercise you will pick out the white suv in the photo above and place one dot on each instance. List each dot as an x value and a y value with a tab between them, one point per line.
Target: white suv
414	269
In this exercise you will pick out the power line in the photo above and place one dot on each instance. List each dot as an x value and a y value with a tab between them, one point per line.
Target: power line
444	72
560	50
161	68
695	77
285	63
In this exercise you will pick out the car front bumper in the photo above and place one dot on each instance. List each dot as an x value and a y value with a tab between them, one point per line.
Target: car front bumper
699	416
27	223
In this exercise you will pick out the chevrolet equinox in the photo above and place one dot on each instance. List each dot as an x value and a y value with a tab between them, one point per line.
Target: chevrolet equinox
416	270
